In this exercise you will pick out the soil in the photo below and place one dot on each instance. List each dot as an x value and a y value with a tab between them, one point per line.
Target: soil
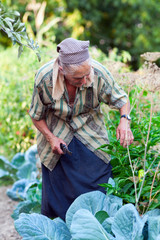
7	230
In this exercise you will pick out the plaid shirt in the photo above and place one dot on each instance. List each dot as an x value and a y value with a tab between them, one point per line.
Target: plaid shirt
84	120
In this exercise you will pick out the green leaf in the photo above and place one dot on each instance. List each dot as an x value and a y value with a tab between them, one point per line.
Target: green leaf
16	24
17	36
101	216
85	226
31	225
7	166
27	171
10	19
34	193
16	13
24	36
31	155
8	23
18	192
9	33
23	207
127	223
93	201
20	27
154	228
18	160
145	93
110	191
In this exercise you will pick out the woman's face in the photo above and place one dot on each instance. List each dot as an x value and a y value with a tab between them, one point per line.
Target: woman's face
79	77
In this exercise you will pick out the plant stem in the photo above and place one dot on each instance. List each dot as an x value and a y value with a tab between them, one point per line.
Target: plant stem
145	152
133	173
130	161
150	198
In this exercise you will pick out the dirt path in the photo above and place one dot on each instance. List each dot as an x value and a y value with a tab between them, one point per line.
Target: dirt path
7	230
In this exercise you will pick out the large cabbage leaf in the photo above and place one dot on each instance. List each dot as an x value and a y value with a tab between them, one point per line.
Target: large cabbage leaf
85	226
17	192
31	155
112	204
27	171
7	166
18	160
107	224
36	226
153	213
23	207
19	189
127	224
154	228
93	201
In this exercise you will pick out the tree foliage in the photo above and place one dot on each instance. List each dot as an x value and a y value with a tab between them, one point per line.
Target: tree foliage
129	25
11	24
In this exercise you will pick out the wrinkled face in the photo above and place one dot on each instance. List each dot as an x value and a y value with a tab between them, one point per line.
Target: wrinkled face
79	77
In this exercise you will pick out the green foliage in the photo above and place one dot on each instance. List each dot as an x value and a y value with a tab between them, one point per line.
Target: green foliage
129	30
138	152
11	24
17	80
123	24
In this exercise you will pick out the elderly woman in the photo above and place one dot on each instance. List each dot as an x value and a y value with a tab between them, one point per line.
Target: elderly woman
66	110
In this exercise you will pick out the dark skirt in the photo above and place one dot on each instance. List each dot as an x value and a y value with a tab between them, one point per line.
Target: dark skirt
73	175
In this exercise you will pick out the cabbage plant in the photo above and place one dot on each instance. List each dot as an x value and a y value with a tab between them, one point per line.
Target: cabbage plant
92	216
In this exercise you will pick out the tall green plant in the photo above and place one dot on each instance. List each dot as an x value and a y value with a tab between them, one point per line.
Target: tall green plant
136	168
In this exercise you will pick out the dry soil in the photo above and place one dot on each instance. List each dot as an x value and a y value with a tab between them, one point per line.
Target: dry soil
7	230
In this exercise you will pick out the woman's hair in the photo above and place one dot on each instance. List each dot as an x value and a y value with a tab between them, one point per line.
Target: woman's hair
72	68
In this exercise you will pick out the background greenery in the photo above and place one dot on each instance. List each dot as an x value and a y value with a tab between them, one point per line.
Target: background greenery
129	25
17	79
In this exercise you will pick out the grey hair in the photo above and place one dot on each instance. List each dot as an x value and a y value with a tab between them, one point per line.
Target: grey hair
72	68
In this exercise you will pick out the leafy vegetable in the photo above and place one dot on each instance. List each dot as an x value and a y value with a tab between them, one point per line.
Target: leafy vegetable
36	226
86	226
18	160
127	224
18	190
85	220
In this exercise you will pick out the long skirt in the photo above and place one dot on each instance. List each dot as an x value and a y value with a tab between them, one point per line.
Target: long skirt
72	176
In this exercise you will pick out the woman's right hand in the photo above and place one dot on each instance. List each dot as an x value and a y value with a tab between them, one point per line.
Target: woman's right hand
55	144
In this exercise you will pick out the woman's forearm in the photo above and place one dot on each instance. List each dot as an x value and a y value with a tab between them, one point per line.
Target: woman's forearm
41	125
54	141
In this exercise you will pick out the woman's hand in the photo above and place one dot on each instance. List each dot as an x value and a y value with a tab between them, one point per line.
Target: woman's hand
55	144
124	133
